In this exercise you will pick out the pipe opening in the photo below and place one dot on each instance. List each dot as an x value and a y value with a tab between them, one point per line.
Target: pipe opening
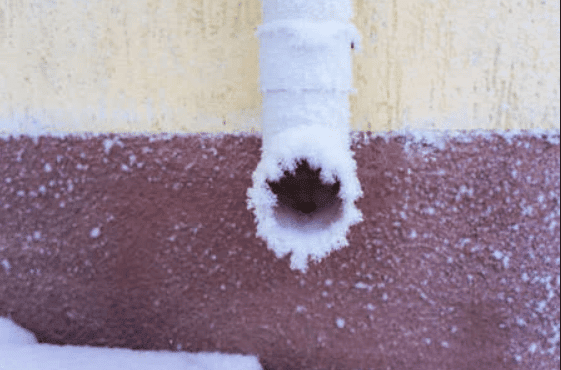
302	197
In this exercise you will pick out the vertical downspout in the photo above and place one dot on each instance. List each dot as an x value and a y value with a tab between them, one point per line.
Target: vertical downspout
305	185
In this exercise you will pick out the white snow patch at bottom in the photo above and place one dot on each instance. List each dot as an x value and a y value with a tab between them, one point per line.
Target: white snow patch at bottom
19	350
305	236
12	334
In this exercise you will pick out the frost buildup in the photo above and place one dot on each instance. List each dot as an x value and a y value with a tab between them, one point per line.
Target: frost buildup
305	185
95	233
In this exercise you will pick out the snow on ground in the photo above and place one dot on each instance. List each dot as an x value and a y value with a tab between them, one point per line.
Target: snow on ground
19	350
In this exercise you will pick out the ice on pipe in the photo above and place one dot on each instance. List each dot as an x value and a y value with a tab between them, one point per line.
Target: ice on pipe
285	110
19	351
305	185
286	230
274	10
303	55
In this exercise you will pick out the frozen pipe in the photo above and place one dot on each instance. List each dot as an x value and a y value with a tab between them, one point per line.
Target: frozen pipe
305	185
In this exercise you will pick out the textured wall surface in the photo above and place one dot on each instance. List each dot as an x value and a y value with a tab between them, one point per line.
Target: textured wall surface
191	66
458	64
128	65
140	243
145	241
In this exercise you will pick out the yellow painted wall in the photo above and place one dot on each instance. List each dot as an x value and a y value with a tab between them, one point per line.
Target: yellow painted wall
192	65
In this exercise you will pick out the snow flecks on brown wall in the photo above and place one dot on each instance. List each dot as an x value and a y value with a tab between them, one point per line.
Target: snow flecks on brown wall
147	243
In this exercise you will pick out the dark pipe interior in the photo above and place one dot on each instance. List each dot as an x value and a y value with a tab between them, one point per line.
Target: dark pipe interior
303	190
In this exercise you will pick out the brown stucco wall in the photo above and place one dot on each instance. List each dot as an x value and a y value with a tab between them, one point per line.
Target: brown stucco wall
145	242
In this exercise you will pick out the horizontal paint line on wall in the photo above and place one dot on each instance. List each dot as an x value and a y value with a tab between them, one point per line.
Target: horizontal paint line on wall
435	138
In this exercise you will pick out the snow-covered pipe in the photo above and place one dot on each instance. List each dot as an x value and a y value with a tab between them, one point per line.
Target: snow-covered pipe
305	185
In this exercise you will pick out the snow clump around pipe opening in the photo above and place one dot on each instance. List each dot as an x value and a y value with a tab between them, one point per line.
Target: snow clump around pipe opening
303	193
